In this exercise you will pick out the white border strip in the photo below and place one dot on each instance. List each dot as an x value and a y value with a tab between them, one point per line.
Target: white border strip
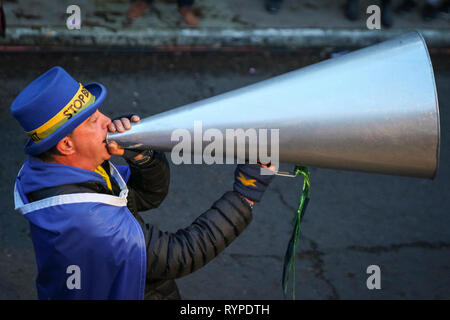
122	184
70	199
120	201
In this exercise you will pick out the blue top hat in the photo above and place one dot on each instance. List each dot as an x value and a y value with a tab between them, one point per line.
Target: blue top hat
52	106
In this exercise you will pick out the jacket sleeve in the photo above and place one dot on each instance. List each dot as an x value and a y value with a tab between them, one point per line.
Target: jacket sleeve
174	255
149	181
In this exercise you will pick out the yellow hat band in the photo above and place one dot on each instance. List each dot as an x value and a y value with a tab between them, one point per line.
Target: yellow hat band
82	99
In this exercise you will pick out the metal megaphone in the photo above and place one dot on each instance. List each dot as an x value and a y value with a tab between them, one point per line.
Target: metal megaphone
373	110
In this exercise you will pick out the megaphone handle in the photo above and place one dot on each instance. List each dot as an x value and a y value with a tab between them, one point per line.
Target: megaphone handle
295	173
285	174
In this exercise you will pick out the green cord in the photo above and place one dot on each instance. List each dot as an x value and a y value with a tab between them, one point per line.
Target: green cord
289	259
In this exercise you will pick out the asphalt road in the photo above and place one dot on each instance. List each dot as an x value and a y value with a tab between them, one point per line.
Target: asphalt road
354	220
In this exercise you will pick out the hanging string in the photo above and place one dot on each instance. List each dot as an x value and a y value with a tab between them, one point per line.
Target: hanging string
289	258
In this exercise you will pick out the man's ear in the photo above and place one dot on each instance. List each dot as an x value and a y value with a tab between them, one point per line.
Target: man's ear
65	146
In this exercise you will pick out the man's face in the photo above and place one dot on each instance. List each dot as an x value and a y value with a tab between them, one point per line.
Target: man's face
89	140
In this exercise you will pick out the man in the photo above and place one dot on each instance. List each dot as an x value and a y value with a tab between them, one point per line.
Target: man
89	240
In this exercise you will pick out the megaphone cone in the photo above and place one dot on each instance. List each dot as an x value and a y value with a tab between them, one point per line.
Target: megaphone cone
373	110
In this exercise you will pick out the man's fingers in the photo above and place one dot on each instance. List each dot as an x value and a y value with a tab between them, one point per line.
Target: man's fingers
126	123
122	124
113	148
269	166
118	125
111	127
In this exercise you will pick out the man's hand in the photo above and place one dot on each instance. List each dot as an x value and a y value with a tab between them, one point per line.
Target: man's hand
120	125
123	123
249	181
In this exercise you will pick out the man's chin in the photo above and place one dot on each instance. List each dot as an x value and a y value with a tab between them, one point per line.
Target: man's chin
107	154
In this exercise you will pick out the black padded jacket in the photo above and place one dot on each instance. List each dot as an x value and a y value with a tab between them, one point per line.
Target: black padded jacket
169	255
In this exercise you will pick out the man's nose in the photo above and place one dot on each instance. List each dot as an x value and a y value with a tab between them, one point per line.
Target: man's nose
106	120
